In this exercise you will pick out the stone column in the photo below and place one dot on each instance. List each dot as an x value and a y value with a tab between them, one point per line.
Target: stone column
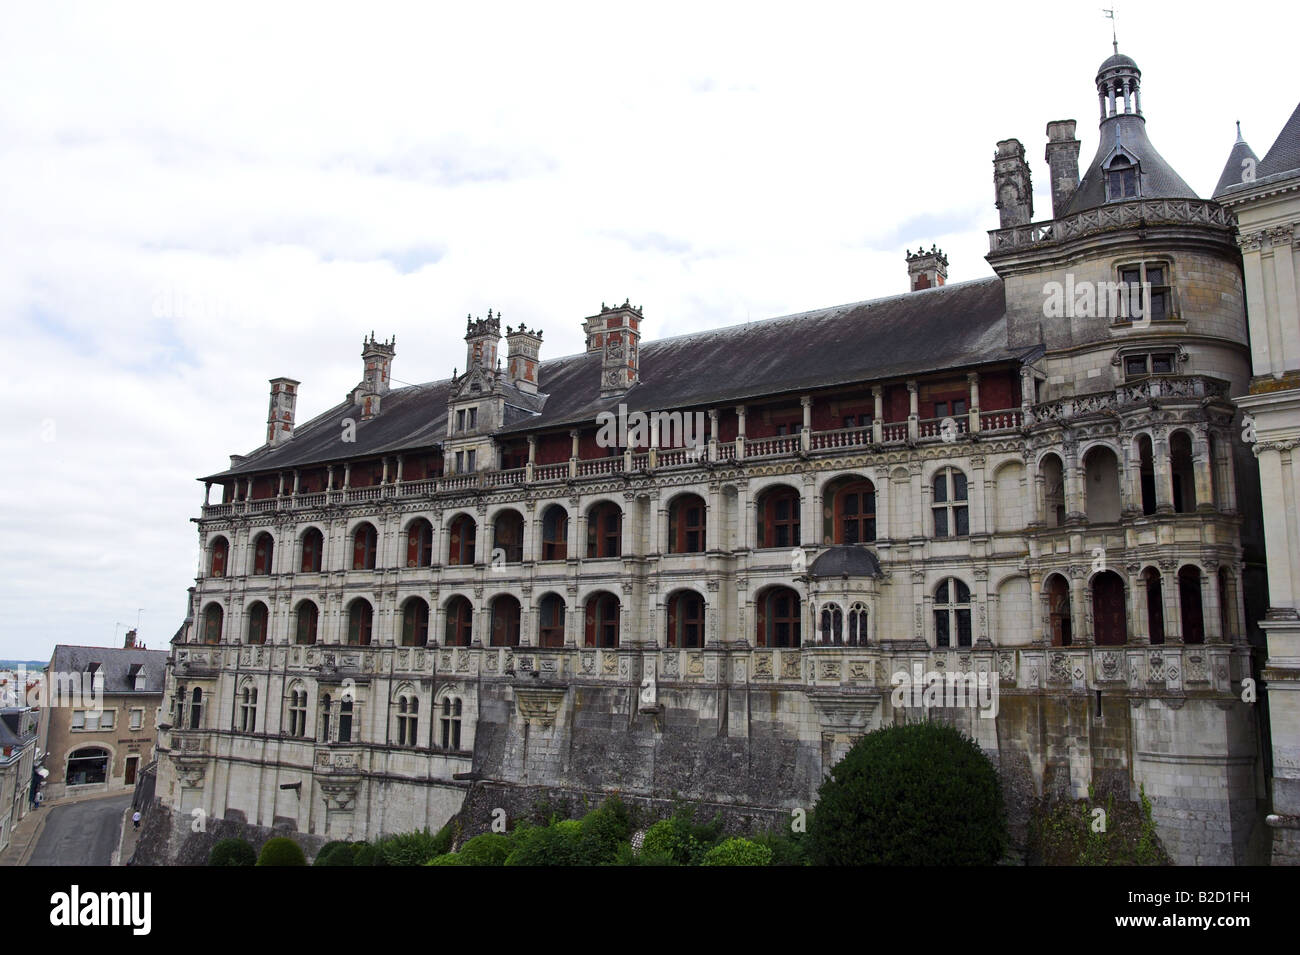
805	434
713	434
913	416
1163	468
1081	608
1173	602
1076	508
973	379
884	529
878	414
1139	630
740	433
1210	603
1202	467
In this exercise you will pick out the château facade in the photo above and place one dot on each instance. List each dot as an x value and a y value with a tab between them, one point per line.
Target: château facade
1034	481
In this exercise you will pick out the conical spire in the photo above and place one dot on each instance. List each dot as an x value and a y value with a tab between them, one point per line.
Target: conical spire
1240	166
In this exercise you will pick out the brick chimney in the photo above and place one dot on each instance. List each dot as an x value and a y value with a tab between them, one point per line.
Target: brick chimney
616	333
376	372
129	643
523	350
279	419
1012	187
1063	161
926	269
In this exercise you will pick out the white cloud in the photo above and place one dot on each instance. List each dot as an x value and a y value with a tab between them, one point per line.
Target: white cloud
199	200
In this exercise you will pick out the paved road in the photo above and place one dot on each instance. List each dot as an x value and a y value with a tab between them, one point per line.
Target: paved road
81	833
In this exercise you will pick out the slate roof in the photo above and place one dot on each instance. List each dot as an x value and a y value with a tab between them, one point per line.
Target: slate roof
117	664
1159	181
962	325
851	560
1234	168
1280	163
11	721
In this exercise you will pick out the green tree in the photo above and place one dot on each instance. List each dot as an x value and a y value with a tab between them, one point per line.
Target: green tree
233	852
281	851
920	794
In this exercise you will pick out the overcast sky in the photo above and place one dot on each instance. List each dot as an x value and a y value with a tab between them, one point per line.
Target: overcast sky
193	201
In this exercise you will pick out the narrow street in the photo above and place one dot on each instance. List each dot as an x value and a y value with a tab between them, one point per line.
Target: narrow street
81	833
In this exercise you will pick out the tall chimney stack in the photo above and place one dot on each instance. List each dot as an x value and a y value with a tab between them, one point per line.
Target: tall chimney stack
376	374
926	269
129	644
279	419
1011	185
523	351
1063	161
616	334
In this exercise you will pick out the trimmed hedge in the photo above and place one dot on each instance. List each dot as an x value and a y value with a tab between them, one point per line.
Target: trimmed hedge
281	851
738	852
919	794
233	852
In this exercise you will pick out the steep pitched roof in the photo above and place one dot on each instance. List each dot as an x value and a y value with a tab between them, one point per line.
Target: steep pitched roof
1284	156
1129	132
962	325
1236	165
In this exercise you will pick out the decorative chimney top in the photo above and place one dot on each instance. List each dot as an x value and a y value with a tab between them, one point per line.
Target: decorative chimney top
926	269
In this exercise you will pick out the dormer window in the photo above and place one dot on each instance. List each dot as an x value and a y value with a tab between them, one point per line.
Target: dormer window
1121	179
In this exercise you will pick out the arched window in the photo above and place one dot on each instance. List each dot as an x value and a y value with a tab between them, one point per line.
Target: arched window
1155	605
831	631
686	528
263	552
1183	472
326	712
248	710
220	552
778	517
415	623
364	542
604	530
1053	477
345	721
1146	473
858	626
1101	485
360	620
505	622
408	720
685	619
602	620
550	624
313	551
451	716
952	614
949	506
212	620
305	628
460	622
1189	596
460	541
1058	611
419	543
779	618
1109	610
508	536
257	623
555	533
196	709
178	706
852	503
87	765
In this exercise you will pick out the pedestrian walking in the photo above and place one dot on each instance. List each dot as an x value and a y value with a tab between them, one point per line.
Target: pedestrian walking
136	818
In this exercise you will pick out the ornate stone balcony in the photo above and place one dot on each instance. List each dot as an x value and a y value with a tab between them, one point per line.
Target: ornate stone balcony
1143	212
1193	388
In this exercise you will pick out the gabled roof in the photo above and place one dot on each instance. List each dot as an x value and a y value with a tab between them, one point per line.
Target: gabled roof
962	325
118	666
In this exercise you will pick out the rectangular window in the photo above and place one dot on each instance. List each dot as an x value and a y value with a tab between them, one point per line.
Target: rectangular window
460	421
106	721
469	460
78	719
471	420
1162	364
1135	366
137	719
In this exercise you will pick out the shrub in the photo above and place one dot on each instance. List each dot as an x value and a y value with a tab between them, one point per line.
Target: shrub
281	851
603	831
786	848
491	848
450	858
628	856
233	852
367	854
340	853
414	848
737	852
920	794
556	844
681	839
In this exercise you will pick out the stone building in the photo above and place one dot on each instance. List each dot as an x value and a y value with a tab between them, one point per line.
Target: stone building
506	582
99	717
17	766
1264	194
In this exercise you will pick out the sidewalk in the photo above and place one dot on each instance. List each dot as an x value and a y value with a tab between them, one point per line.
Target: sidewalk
25	835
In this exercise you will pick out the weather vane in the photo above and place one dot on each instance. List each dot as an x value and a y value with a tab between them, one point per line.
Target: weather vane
1114	37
